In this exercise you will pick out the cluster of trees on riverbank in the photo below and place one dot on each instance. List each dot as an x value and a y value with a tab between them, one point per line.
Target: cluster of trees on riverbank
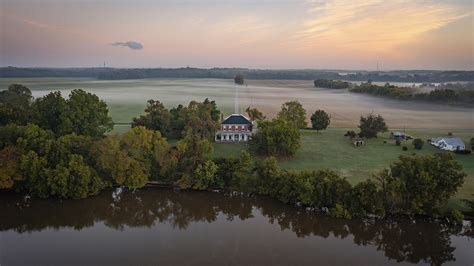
331	84
52	147
438	95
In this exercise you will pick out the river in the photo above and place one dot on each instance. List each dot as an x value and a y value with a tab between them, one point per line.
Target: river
166	227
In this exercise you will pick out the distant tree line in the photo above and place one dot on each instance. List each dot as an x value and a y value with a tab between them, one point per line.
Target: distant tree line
77	159
418	76
438	95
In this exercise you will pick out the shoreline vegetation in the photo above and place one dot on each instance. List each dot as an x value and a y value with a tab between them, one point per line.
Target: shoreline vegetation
106	73
56	147
454	94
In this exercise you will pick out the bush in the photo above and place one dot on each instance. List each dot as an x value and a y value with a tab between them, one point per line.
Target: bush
462	151
351	134
398	142
418	144
472	144
456	216
405	148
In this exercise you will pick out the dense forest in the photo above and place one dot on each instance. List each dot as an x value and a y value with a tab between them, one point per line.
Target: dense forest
230	73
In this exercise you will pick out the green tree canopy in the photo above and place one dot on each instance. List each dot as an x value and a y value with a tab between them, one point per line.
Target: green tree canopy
370	125
320	120
254	114
86	115
156	117
278	137
293	112
15	105
51	111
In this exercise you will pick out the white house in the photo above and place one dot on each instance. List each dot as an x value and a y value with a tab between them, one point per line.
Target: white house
235	128
448	143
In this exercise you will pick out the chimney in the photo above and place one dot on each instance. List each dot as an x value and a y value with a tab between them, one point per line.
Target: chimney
222	117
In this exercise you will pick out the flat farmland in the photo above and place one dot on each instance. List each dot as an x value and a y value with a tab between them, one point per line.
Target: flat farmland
127	99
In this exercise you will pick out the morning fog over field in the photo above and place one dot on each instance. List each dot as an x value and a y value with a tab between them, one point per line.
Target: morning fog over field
127	99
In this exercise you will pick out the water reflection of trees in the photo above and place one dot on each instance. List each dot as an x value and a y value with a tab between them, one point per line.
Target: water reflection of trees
400	240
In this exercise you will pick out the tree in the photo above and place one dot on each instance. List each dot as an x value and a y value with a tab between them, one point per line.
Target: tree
418	144
254	114
425	183
189	153
205	175
472	143
276	138
320	120
243	178
15	105
86	115
50	111
366	199
293	112
133	158
239	79
9	167
156	117
371	125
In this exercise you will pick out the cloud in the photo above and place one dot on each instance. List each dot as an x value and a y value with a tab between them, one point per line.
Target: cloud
373	24
131	45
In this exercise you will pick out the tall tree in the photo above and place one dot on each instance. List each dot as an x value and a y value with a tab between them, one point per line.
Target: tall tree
370	125
293	112
278	137
15	105
50	111
86	115
320	120
156	117
254	114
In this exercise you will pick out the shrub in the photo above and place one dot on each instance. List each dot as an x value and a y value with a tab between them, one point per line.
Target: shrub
340	212
462	151
472	144
351	134
456	216
398	142
418	144
405	148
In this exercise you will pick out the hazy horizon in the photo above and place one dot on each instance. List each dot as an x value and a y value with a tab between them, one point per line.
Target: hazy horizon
326	34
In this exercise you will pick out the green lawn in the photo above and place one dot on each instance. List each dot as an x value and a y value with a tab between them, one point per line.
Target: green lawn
330	149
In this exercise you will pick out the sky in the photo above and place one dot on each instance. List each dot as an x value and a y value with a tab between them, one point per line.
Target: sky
279	34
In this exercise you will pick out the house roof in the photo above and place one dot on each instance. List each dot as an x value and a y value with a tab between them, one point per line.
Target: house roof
455	142
236	119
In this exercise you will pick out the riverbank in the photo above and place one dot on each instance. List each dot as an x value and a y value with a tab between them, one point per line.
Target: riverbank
329	149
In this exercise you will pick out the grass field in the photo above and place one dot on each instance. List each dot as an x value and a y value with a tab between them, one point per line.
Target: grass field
330	149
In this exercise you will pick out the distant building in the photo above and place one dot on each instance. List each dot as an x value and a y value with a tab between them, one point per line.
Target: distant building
235	128
448	143
396	135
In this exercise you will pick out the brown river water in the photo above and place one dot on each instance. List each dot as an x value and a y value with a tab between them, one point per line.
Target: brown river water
166	227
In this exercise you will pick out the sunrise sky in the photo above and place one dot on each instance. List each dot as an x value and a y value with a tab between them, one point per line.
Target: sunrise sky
342	34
